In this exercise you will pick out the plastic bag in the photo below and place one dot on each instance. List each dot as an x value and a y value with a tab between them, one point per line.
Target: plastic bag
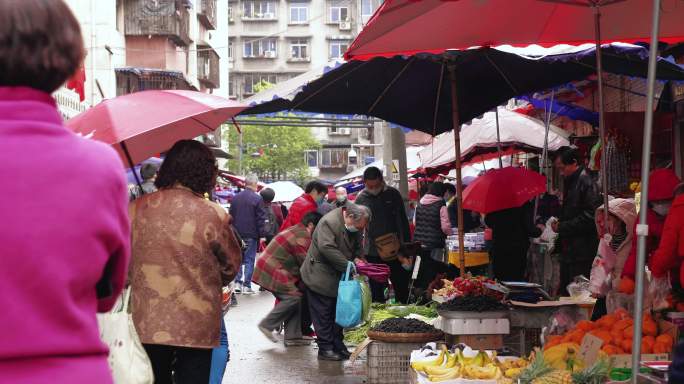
349	302
548	235
658	290
579	288
599	281
366	298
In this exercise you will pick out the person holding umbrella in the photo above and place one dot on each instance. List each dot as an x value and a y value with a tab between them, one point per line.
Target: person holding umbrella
577	240
184	252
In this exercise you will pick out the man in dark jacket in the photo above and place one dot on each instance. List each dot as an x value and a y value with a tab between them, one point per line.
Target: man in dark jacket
249	217
576	228
335	242
388	217
471	220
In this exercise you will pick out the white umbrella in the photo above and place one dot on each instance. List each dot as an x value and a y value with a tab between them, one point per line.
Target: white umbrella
285	191
516	129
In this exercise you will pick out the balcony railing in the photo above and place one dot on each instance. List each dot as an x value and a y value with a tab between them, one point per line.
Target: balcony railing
168	18
208	71
133	79
207	13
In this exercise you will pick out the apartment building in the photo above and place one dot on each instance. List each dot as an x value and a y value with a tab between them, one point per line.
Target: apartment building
276	40
135	45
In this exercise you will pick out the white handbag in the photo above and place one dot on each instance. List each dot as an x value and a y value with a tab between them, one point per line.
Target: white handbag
127	359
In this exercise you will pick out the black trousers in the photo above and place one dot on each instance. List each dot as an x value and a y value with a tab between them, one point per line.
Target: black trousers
329	335
179	365
306	317
509	261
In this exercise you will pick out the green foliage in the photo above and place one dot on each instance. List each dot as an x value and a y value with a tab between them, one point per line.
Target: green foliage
280	151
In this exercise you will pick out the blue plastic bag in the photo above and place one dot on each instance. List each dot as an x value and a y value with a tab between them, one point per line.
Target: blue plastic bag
349	303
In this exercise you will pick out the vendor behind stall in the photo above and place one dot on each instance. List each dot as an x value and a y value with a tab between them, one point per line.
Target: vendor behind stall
429	270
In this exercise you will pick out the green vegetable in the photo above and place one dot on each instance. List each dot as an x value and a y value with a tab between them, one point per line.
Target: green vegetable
380	312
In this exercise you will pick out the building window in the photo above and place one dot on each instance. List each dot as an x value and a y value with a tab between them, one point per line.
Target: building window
338	48
265	10
299	13
261	47
368	8
311	158
231	43
231	87
299	49
333	158
230	14
339	13
253	79
339	131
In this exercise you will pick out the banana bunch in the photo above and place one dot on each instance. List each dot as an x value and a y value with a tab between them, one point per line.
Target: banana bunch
564	357
454	365
512	368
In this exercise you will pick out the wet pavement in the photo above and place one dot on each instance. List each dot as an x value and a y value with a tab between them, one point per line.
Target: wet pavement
255	359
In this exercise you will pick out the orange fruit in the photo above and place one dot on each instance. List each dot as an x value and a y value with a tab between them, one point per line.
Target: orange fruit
626	285
660	347
612	350
586	325
627	345
628	332
622	324
648	340
665	339
622	314
606	321
645	347
603	335
616	336
650	327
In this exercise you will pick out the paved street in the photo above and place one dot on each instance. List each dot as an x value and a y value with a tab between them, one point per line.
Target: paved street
254	359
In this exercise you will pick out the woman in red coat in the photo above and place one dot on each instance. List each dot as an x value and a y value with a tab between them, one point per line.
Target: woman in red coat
662	183
313	197
670	252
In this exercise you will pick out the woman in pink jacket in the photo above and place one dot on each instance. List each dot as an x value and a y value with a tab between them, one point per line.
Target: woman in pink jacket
64	232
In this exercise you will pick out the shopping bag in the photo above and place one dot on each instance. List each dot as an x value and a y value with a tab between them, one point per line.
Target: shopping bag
366	298
127	359
349	303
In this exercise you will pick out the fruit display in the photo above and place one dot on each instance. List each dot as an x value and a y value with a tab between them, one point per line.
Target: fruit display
464	286
401	325
616	330
543	371
472	303
452	365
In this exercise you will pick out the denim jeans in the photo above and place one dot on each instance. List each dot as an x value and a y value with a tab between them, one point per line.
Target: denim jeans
219	357
248	259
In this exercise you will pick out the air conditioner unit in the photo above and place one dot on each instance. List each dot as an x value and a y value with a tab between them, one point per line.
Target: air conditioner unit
344	131
345	26
270	54
269	15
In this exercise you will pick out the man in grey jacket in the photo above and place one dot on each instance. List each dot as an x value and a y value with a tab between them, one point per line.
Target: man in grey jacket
336	241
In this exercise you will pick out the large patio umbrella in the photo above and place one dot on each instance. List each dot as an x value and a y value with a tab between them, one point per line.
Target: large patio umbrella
445	25
503	188
142	124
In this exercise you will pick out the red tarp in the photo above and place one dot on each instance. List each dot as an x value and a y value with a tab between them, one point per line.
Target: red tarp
409	26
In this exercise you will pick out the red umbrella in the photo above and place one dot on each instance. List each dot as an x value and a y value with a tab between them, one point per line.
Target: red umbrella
149	122
461	24
503	188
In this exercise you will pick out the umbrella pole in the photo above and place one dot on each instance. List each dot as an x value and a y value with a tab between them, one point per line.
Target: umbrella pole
459	182
602	123
545	152
130	163
498	136
642	227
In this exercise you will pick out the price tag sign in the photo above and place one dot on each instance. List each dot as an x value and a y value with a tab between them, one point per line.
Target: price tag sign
589	350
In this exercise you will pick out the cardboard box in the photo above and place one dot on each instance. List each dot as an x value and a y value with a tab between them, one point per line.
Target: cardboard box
483	342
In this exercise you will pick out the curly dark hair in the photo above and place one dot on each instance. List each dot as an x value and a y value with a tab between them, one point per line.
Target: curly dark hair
191	164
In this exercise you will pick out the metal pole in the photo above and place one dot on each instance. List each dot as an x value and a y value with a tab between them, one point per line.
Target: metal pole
498	136
602	124
642	227
545	151
240	149
459	182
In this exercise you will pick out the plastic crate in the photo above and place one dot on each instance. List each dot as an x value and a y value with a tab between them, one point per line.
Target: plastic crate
522	341
389	363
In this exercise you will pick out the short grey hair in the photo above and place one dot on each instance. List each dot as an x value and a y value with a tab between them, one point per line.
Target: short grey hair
251	179
358	212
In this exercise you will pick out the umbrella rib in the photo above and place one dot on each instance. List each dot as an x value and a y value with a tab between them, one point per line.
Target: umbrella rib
394	80
501	73
439	93
326	86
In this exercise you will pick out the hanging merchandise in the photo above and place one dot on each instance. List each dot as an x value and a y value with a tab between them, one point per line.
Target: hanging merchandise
595	156
616	163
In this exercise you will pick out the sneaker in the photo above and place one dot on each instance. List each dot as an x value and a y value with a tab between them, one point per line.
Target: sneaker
268	333
297	342
248	291
238	288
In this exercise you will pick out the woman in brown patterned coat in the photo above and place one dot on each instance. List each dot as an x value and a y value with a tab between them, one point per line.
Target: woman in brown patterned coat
183	253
